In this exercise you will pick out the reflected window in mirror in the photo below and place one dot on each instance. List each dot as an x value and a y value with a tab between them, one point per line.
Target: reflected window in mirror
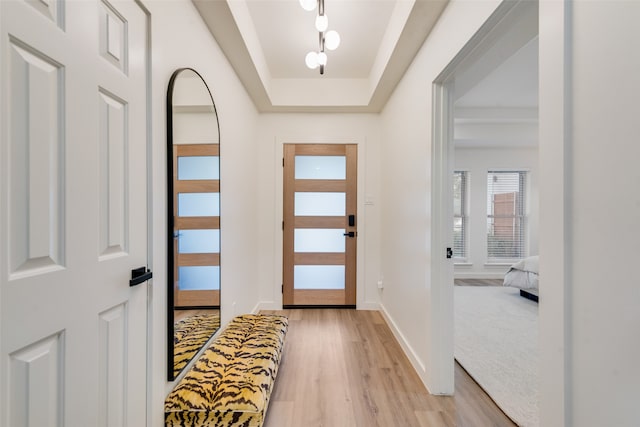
193	178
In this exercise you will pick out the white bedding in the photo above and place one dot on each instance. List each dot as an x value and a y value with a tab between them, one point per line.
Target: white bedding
523	274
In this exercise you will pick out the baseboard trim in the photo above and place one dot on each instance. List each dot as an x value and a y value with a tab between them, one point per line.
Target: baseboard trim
266	305
415	361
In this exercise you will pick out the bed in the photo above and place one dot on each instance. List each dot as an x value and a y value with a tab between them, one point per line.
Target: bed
524	276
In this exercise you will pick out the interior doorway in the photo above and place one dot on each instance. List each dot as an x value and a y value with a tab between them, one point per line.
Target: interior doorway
320	225
504	34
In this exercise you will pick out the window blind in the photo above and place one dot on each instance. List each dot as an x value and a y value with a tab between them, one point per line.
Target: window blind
506	215
460	214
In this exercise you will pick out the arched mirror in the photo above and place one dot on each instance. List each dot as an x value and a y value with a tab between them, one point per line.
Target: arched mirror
193	172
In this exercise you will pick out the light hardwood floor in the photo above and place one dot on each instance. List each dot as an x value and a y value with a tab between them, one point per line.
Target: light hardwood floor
344	368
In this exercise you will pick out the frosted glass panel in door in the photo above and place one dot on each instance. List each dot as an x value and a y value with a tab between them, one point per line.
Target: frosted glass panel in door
318	240
199	278
321	167
318	277
199	204
199	241
319	204
198	167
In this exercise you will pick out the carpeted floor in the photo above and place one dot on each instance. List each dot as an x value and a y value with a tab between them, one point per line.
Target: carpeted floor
496	341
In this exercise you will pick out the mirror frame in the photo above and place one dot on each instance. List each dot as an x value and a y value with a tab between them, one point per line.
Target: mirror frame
171	375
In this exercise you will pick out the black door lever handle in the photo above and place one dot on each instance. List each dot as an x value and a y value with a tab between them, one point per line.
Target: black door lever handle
350	234
139	275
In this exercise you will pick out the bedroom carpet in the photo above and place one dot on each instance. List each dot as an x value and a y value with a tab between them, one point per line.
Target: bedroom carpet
496	341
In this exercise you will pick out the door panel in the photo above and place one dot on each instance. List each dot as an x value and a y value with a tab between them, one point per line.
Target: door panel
197	225
73	212
319	260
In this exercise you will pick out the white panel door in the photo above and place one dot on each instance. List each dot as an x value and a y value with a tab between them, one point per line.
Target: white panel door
73	213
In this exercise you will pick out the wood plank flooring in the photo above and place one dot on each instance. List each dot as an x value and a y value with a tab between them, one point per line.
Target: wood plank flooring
344	368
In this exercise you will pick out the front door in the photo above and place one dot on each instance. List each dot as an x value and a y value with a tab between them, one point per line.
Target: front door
320	223
73	213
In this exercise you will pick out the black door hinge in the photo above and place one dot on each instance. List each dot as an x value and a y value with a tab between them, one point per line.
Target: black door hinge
283	289
449	253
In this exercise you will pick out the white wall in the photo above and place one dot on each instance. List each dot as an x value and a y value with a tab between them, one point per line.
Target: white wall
590	203
276	129
181	39
406	190
477	161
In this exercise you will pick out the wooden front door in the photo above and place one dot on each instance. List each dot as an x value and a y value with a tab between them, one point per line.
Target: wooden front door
320	223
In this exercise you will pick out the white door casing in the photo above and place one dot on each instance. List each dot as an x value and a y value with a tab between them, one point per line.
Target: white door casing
73	213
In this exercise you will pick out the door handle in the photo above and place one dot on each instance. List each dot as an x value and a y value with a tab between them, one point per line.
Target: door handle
350	234
139	275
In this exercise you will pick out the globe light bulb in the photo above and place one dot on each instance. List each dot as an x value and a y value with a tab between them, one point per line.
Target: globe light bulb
308	5
322	58
332	40
322	23
312	60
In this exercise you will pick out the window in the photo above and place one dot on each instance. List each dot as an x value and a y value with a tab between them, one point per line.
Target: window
460	214
506	215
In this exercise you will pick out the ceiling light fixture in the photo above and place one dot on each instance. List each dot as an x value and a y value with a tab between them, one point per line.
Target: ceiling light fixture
322	23
330	39
308	5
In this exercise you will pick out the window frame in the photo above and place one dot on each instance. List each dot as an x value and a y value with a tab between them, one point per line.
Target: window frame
520	217
460	258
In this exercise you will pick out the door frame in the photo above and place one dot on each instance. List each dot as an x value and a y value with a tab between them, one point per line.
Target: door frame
442	161
150	214
362	300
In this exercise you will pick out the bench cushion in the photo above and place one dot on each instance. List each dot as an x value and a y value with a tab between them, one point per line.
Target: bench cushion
231	383
189	336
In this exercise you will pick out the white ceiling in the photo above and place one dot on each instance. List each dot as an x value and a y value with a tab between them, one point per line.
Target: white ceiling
501	110
496	90
511	84
266	42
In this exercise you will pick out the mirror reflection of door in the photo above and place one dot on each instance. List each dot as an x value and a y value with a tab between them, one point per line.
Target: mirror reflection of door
196	226
193	164
319	230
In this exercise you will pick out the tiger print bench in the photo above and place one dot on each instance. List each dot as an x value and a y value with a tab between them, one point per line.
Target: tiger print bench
231	383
